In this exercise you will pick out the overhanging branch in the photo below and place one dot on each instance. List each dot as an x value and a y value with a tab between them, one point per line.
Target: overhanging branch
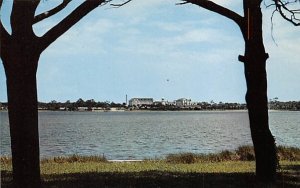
284	9
209	5
121	4
64	25
3	32
51	12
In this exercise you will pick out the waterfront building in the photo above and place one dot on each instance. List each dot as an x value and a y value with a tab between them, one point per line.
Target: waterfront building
97	109
140	101
183	102
164	102
82	108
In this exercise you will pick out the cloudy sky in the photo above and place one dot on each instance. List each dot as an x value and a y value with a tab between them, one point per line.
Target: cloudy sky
154	48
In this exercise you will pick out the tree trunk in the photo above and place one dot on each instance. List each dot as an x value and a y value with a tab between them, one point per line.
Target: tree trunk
256	97
23	119
257	103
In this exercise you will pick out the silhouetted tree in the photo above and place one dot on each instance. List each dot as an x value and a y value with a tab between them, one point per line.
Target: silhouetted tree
80	103
90	103
20	52
254	61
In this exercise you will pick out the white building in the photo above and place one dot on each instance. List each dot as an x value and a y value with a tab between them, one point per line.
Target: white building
140	101
164	102
183	102
82	108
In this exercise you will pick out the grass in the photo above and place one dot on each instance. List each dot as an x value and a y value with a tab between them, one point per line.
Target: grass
75	158
225	169
288	153
230	167
243	153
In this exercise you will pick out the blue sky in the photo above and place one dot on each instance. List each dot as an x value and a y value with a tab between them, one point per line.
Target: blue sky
160	50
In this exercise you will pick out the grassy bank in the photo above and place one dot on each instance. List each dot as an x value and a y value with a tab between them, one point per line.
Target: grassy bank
243	153
226	169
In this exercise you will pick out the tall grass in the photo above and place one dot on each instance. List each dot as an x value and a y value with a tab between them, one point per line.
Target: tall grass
75	158
234	168
288	153
243	153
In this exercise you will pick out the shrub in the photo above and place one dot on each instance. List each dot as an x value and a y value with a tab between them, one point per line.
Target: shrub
226	156
5	160
246	153
288	153
185	158
76	158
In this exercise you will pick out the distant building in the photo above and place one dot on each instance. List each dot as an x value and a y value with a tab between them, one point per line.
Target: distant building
163	102
140	101
82	108
97	109
183	102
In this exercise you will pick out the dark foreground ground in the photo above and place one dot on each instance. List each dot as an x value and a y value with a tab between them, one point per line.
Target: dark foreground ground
147	179
223	170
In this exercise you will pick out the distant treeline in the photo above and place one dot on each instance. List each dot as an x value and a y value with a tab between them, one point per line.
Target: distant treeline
80	104
92	105
290	105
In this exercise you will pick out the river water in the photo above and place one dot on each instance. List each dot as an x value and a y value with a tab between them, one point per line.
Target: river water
141	135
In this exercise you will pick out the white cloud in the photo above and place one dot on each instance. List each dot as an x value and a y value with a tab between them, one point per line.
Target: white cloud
207	35
286	39
230	3
157	38
85	39
179	46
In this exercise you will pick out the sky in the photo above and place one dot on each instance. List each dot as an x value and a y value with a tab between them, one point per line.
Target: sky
158	49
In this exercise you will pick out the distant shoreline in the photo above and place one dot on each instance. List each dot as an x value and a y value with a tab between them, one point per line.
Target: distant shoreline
92	105
105	111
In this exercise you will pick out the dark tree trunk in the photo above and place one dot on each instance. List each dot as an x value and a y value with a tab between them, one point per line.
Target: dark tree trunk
20	53
256	78
256	97
23	118
257	103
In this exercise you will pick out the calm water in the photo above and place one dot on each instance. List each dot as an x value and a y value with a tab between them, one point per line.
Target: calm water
140	135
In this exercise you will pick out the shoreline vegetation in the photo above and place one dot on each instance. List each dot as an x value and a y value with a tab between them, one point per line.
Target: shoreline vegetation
224	169
92	105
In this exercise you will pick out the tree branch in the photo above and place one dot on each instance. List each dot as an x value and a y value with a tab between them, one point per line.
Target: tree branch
119	5
22	16
51	12
287	13
3	32
4	37
282	6
63	26
209	5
